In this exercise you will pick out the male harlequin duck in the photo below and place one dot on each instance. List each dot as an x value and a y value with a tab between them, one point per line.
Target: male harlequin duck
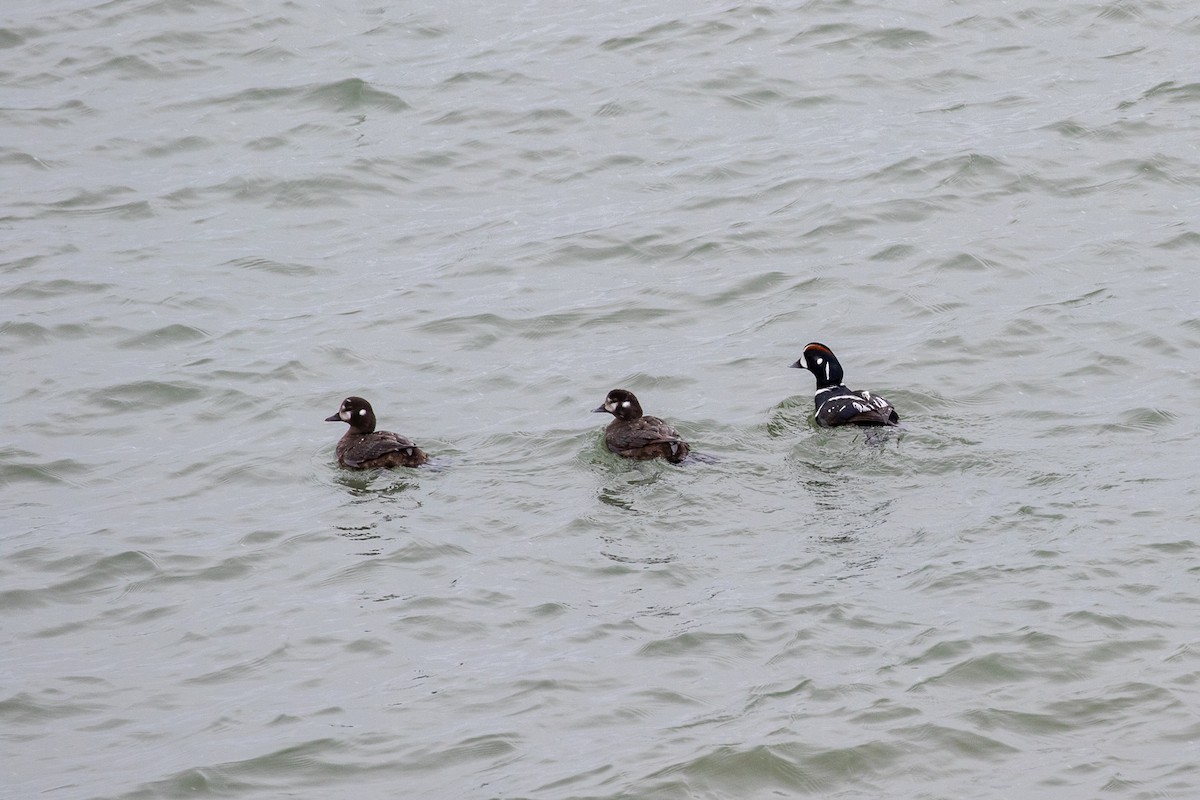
837	405
363	447
634	436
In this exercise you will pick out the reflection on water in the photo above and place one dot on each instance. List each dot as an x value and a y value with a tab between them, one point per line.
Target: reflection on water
847	501
366	483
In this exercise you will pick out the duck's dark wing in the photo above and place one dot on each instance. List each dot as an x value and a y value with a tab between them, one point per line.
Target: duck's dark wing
856	408
379	445
646	437
649	430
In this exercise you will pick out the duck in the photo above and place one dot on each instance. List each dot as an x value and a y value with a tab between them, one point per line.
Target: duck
363	447
835	403
634	435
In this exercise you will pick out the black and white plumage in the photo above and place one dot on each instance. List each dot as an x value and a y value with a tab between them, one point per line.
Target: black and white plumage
836	404
634	435
363	447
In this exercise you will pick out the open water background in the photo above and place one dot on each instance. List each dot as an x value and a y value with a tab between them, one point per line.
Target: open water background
218	222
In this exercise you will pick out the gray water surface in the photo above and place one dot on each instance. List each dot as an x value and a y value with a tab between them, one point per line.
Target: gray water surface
219	222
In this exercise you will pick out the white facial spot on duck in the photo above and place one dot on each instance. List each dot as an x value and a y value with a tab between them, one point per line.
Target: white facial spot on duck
362	412
625	404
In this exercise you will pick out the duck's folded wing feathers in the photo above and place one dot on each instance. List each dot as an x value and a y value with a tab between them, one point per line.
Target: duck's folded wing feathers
858	408
381	445
651	430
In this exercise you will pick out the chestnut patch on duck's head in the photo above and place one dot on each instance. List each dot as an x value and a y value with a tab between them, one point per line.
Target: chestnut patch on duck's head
822	363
